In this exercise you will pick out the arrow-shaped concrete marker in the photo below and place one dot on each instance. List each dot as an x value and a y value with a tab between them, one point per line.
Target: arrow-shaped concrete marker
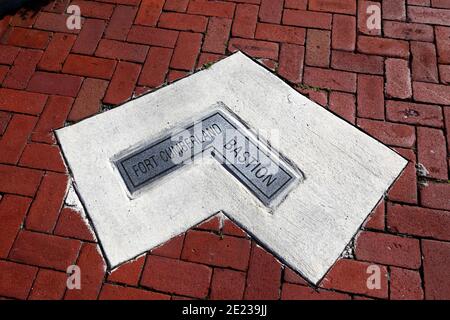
340	172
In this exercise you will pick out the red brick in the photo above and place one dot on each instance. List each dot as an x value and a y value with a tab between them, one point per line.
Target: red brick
408	31
432	152
435	268
171	248
291	62
53	83
4	120
217	35
295	292
355	62
72	224
370	96
49	285
92	269
263	277
207	59
149	12
419	2
419	221
54	22
88	100
429	15
120	23
405	188
8	54
15	138
93	9
432	93
316	95
364	15
3	71
392	134
353	276
45	209
212	224
344	32
383	47
344	105
296	4
293	277
90	34
121	50
128	273
183	22
21	101
211	8
424	62
22	18
414	113
155	68
45	250
175	75
338	6
114	292
332	79
398	79
186	52
89	66
28	38
19	180
53	117
208	248
435	195
440	4
270	11
444	72
16	279
443	44
227	285
447	126
42	156
388	249
56	52
271	32
376	219
24	66
255	48
405	285
123	82
176	5
13	210
307	19
318	48
57	6
153	36
245	18
230	228
394	9
176	276
128	2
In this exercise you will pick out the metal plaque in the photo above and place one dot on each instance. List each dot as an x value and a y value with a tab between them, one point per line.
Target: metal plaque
219	135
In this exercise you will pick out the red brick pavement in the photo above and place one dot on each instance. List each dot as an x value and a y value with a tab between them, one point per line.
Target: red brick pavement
393	84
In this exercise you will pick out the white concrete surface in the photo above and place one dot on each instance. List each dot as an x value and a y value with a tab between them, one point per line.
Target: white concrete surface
346	171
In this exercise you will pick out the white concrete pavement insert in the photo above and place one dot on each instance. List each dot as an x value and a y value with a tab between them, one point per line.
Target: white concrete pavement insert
339	173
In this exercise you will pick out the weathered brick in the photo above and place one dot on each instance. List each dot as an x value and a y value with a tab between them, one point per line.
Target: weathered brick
88	101
383	46
16	279
435	195
370	97
355	62
388	249
429	15
208	248
255	48
187	50
352	276
308	19
365	18
123	82
295	292
227	285
49	285
277	33
19	180
114	292
414	113
344	33
15	138
376	219
53	83
405	188
8	54
293	277
89	36
318	44
432	152
53	22
393	134
431	93
211	8
296	4
408	31
155	68
291	62
443	44
176	276
128	273
424	62
394	10
89	66
217	35
120	23
42	156
419	221
45	250
183	22
94	9
244	23
263	277
13	210
338	6
149	12
398	79
21	101
72	224
440	4
343	104
93	270
331	79
24	66
270	11
436	259
28	38
119	50
56	52
444	72
153	36
4	121
405	284
176	5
